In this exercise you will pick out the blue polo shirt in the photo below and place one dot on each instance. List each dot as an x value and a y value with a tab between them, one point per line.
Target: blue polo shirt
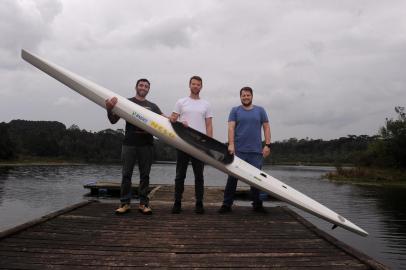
248	126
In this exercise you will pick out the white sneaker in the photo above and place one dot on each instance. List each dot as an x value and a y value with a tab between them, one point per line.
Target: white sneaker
146	210
124	208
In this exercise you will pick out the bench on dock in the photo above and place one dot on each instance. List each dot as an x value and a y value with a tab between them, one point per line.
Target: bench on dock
112	189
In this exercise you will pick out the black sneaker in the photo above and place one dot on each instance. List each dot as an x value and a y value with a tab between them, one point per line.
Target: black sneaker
259	209
224	209
177	208
199	208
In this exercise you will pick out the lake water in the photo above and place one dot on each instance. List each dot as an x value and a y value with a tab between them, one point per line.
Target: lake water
28	192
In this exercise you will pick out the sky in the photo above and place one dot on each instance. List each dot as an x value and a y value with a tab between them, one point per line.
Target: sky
321	69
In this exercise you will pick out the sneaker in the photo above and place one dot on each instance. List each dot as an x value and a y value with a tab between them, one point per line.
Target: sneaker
124	208
224	209
259	209
145	209
199	209
177	208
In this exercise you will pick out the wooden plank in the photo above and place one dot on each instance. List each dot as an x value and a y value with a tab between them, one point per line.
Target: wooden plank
45	218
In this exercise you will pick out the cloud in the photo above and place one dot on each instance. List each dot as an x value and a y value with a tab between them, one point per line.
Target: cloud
68	102
48	9
320	69
24	24
171	32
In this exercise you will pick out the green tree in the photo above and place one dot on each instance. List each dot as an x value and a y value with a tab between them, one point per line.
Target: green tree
36	138
6	145
394	138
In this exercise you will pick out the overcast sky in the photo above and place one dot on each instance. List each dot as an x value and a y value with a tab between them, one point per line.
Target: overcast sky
321	69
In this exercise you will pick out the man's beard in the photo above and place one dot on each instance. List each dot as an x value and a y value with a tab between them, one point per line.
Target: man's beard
247	104
142	93
195	91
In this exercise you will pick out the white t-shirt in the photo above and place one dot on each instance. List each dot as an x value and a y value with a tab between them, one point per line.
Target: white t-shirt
194	112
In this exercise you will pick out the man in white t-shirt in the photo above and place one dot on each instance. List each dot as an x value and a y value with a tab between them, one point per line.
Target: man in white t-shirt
194	112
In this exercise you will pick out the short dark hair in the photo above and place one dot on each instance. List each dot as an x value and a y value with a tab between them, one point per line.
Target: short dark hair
142	80
197	78
246	88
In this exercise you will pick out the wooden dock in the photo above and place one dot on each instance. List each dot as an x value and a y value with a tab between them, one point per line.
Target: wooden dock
90	236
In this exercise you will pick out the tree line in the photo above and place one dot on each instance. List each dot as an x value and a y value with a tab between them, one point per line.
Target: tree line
22	139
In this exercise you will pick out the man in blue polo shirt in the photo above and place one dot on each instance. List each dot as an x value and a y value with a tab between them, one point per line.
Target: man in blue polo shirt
244	140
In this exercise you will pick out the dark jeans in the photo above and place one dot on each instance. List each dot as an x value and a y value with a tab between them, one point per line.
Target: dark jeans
129	154
254	159
182	163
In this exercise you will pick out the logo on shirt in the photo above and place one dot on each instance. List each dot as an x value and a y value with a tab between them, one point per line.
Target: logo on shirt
140	117
161	129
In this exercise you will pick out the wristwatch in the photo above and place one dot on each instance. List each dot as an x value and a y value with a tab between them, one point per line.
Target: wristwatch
268	145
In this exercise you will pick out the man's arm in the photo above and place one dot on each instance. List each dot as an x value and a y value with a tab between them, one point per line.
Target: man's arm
110	103
231	132
267	134
209	127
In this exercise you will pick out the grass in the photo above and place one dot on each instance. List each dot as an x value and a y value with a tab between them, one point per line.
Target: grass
31	161
368	176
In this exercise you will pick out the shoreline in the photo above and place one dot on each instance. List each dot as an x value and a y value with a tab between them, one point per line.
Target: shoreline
41	162
368	183
73	163
65	163
368	176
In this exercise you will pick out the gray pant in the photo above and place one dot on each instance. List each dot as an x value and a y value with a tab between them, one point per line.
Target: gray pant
129	154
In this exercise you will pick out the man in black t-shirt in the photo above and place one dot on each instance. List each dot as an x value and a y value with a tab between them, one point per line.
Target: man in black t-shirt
137	144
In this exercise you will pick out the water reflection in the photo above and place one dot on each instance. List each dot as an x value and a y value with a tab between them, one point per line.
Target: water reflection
390	205
4	171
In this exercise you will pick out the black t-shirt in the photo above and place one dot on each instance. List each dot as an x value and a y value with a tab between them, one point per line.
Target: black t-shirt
135	136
